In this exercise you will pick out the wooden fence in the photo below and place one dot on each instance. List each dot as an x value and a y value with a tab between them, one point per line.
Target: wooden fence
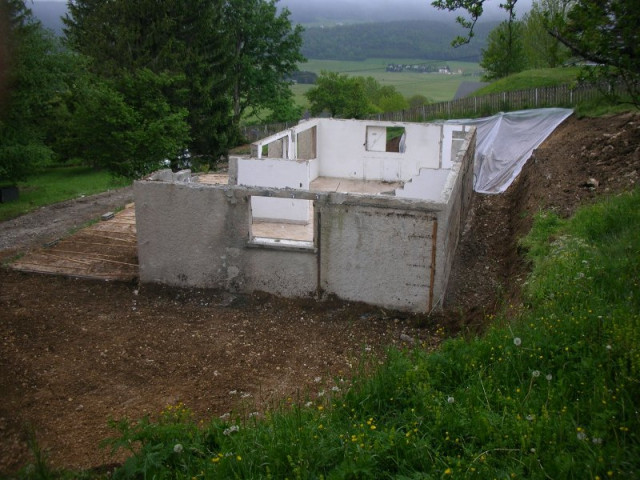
485	105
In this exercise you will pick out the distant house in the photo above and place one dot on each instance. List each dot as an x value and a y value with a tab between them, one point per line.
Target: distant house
445	70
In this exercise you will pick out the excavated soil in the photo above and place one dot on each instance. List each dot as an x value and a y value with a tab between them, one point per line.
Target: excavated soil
75	352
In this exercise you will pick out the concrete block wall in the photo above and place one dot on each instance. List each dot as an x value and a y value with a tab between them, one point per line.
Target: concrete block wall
384	250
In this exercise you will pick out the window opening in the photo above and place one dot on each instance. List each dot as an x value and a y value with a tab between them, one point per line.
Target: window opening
386	139
282	222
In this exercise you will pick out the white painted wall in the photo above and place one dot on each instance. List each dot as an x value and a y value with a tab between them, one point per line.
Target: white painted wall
448	153
342	150
276	173
428	185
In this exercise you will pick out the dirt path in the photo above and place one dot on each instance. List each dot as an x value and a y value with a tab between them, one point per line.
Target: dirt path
55	221
75	353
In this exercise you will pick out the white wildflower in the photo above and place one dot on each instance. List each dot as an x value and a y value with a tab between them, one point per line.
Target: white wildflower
548	376
230	430
581	435
450	399
178	448
517	341
535	373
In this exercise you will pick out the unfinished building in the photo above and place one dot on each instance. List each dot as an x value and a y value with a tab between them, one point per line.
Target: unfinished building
367	211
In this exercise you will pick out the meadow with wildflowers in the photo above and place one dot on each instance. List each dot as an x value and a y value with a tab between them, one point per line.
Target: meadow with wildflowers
549	392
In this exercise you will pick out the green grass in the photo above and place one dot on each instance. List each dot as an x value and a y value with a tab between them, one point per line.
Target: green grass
436	87
551	390
543	77
55	185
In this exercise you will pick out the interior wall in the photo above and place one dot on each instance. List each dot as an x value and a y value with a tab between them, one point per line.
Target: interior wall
343	154
276	173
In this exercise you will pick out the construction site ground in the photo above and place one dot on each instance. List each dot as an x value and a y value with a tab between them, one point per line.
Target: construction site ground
76	352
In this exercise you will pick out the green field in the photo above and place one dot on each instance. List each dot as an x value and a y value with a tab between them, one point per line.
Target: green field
436	87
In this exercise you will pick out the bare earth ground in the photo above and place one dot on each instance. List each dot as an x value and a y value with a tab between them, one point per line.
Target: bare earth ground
75	353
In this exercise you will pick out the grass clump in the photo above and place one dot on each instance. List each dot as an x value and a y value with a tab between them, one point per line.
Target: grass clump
552	393
57	184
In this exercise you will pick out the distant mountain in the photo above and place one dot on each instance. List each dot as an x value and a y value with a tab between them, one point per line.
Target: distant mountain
426	39
428	36
49	14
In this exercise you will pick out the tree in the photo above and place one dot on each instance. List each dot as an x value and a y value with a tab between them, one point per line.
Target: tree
353	97
541	49
340	95
180	40
34	78
417	101
266	51
600	32
504	54
475	9
128	128
605	33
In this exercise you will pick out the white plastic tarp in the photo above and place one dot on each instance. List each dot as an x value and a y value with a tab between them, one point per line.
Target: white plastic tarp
505	141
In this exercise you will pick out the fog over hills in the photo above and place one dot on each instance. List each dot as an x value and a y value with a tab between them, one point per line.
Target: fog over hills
318	13
332	11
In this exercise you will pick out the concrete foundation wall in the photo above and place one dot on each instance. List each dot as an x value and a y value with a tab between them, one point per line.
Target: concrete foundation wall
192	235
384	250
377	256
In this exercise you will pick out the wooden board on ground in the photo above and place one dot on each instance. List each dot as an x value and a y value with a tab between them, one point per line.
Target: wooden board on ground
106	250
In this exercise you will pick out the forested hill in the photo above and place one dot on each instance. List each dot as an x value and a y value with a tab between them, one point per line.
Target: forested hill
426	39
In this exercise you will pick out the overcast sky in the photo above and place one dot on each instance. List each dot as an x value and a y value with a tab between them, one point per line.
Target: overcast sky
384	9
409	9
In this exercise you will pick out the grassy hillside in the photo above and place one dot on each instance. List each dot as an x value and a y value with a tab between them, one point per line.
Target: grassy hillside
543	77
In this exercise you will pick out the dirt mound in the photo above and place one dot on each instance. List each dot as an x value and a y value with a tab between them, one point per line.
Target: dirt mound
77	352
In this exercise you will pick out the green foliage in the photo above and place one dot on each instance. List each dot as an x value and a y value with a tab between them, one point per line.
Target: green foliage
35	78
601	33
605	34
265	50
541	49
352	97
342	96
57	184
418	100
132	127
504	54
177	42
